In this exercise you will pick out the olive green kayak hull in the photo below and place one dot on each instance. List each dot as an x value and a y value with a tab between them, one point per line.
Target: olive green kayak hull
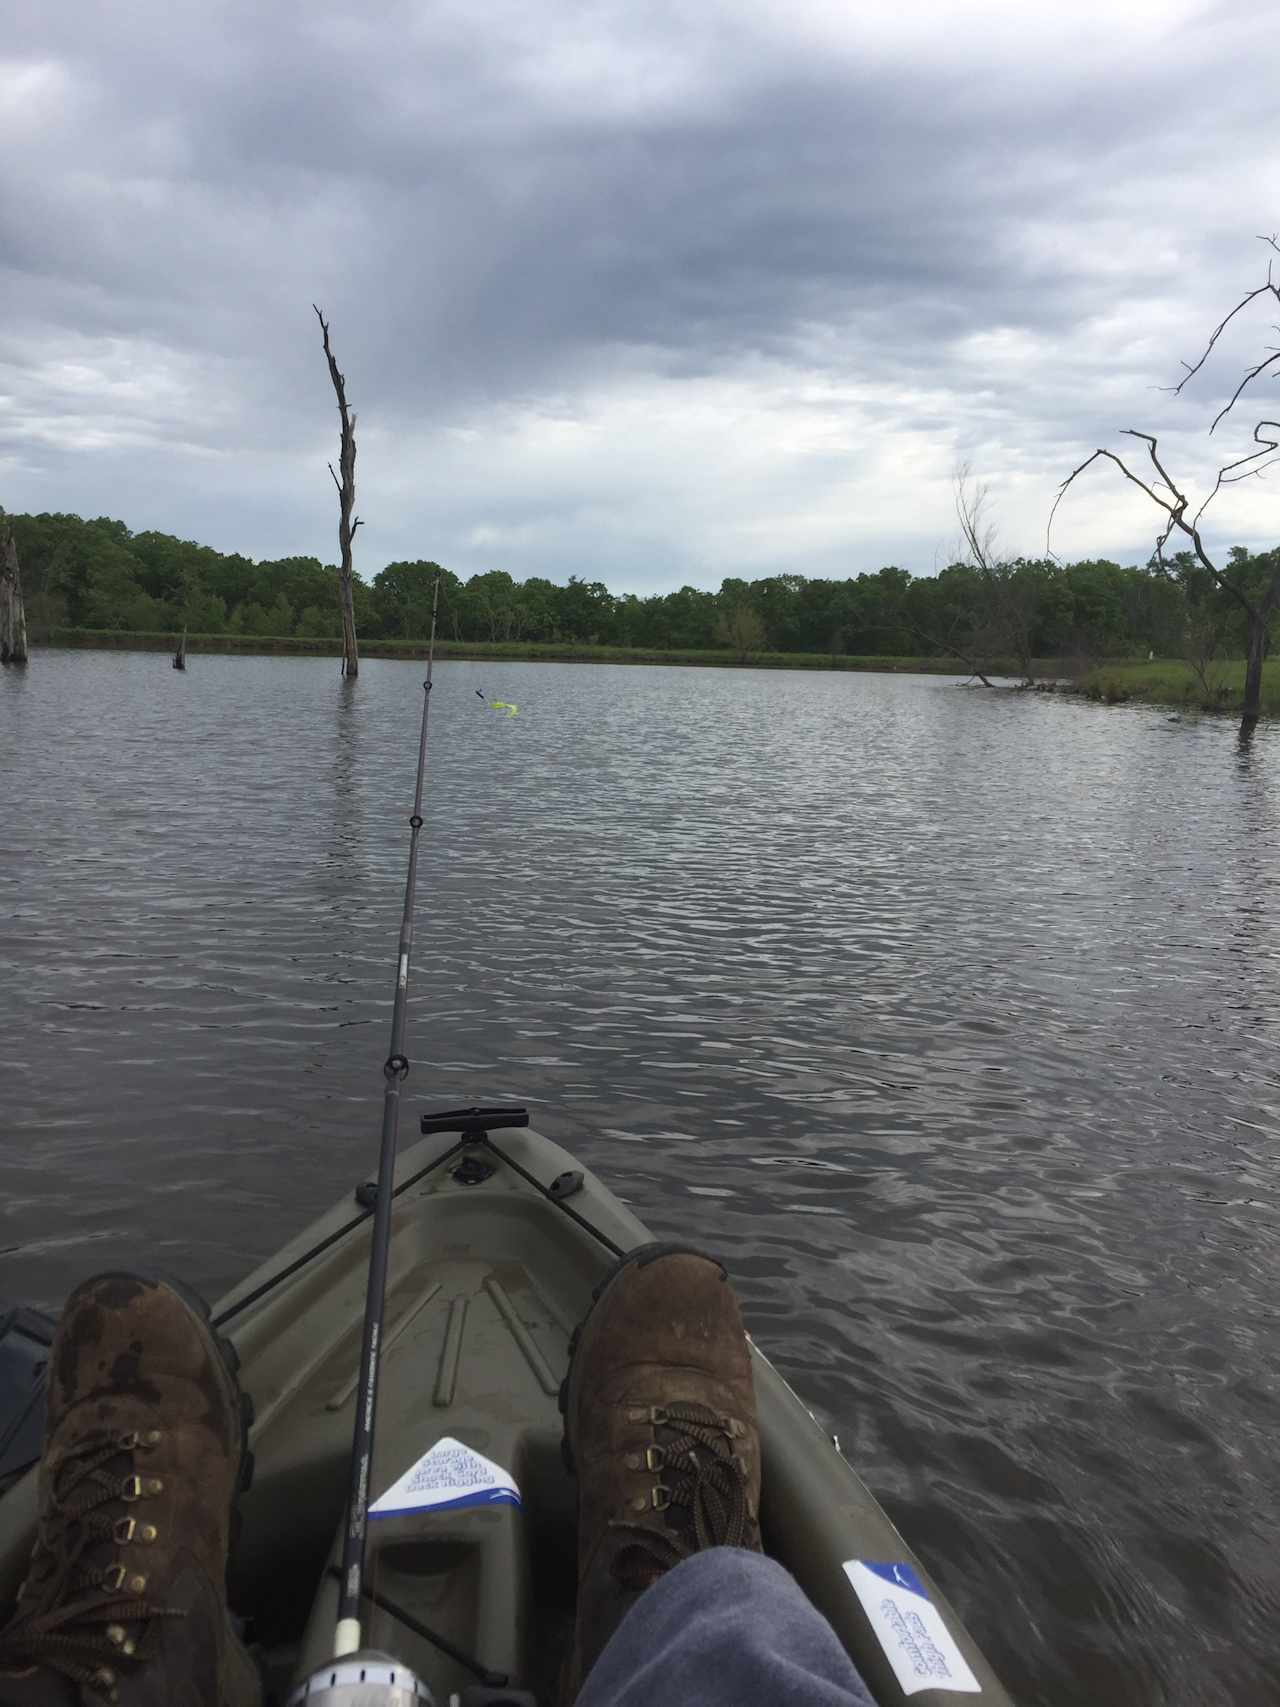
471	1553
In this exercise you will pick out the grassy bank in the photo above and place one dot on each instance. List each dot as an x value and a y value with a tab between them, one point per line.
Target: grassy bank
294	645
1170	682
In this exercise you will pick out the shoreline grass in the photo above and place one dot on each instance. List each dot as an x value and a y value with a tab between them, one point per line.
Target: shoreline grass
531	651
1119	681
1170	682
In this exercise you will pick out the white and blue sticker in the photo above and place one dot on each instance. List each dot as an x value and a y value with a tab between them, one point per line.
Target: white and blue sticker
909	1627
448	1478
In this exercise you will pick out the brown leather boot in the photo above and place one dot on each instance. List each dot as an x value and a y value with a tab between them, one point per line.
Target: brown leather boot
145	1452
660	1425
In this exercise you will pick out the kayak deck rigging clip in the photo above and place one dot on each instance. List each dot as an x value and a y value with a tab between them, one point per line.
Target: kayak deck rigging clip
472	1170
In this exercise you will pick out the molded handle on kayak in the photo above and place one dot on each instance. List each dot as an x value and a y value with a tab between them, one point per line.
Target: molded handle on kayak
475	1122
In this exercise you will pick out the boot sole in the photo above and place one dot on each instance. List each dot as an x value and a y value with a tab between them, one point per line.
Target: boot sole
640	1257
229	1357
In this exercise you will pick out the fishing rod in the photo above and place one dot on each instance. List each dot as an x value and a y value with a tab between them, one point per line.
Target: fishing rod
346	1636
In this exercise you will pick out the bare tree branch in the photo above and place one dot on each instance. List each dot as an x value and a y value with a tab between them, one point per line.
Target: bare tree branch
971	511
1193	368
1222	325
1110	456
1227	478
1251	375
1257	609
1176	511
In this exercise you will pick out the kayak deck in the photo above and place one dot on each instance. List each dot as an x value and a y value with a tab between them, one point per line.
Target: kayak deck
486	1283
488	1276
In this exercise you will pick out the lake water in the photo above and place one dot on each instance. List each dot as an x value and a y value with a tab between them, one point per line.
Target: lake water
949	1018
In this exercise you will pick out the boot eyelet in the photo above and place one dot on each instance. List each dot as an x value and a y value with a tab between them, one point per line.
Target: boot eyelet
137	1584
147	1533
636	1415
634	1461
115	1634
131	1488
130	1647
154	1485
657	1414
655	1458
124	1530
152	1437
660	1498
113	1577
128	1441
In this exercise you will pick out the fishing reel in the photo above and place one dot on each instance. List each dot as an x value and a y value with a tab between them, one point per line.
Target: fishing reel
364	1679
372	1679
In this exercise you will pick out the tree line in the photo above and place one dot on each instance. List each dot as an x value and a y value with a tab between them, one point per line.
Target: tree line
98	574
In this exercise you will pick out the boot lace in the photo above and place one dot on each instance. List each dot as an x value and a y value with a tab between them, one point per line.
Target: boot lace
72	1614
703	1496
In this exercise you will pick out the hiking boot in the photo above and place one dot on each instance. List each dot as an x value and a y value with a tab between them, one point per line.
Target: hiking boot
660	1426
145	1452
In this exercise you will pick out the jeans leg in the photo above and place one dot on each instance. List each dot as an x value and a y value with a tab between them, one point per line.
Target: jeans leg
722	1628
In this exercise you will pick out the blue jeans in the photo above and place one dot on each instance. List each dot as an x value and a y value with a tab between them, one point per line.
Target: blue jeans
723	1628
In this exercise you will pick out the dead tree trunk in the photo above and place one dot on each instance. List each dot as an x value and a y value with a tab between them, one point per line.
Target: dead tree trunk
180	656
13	619
347	524
1255	652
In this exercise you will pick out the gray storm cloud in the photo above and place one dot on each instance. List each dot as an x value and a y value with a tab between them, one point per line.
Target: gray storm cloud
618	291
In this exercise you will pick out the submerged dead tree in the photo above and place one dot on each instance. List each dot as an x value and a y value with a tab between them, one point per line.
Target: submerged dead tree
347	523
1258	601
964	629
13	619
1011	598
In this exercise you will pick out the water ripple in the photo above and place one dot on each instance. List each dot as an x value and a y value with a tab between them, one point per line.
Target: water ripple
952	1021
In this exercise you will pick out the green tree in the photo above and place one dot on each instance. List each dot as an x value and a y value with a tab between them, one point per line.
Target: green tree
267	621
205	613
402	595
586	611
741	628
537	601
320	622
491	606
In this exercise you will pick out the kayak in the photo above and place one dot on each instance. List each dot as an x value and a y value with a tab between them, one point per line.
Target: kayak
498	1238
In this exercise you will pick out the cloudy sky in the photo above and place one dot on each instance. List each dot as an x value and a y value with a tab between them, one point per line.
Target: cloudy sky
647	293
